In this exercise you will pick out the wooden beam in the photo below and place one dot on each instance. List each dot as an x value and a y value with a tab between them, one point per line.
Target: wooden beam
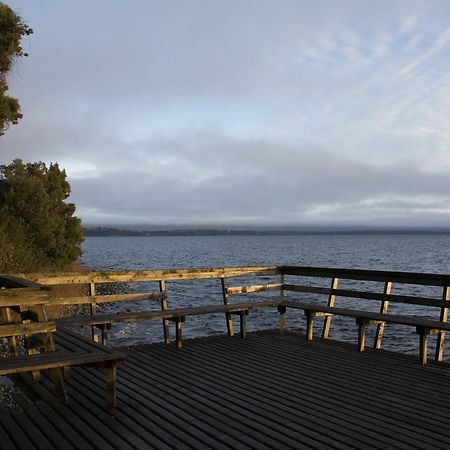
22	329
331	300
256	288
443	318
423	348
93	311
281	309
107	298
369	275
179	331
361	334
164	307
150	275
243	323
309	325
228	317
383	310
7	317
365	295
23	296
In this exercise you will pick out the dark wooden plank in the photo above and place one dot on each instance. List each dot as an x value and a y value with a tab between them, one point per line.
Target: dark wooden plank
306	383
152	411
53	435
264	391
239	426
79	418
20	329
430	279
87	389
63	426
53	360
5	440
144	398
31	430
21	441
246	378
110	430
262	422
367	295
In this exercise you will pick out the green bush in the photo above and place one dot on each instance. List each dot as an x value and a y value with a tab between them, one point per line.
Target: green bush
37	228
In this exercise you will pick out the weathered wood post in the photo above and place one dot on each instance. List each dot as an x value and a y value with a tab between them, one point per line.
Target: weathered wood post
443	318
228	316
383	310
164	306
281	308
93	311
331	300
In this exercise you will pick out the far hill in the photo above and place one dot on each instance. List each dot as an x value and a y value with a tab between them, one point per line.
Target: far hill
111	231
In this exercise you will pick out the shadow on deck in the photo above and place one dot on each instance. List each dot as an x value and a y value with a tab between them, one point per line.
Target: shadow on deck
265	391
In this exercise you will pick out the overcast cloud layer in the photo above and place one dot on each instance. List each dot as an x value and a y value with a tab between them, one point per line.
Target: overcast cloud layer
241	112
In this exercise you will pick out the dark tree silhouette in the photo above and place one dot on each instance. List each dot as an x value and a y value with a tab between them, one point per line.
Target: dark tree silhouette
12	29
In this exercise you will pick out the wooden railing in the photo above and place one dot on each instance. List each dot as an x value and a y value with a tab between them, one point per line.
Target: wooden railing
384	296
285	283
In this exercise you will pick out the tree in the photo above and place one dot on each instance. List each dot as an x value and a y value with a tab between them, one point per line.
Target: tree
37	228
12	29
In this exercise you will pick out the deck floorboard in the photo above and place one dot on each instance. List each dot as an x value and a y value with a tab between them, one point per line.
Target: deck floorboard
262	392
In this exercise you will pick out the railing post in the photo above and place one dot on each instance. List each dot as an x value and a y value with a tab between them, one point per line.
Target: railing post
6	314
228	316
383	310
309	325
361	334
443	318
331	300
282	311
93	310
164	306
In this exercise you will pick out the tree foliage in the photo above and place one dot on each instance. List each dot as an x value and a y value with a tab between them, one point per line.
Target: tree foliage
37	228
12	29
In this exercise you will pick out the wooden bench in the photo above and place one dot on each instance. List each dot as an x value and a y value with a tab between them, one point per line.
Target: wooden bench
23	315
423	327
105	321
413	289
56	358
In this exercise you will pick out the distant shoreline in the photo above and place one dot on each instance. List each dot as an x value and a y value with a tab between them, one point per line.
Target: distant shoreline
117	232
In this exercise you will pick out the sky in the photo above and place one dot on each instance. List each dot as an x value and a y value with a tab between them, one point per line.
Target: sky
240	113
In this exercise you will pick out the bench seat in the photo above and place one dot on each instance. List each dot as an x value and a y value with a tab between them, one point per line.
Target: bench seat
424	327
82	353
104	321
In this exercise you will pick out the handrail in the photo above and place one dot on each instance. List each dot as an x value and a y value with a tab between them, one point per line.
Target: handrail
150	275
369	275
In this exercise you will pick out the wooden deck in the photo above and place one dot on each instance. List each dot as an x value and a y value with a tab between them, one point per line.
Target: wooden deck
265	391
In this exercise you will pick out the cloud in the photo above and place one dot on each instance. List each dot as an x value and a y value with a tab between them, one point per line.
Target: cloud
255	112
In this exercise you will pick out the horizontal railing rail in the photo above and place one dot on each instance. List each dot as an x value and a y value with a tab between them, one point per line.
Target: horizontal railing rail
365	295
369	275
150	275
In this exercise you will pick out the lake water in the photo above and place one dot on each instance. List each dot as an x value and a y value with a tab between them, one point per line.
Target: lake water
416	253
